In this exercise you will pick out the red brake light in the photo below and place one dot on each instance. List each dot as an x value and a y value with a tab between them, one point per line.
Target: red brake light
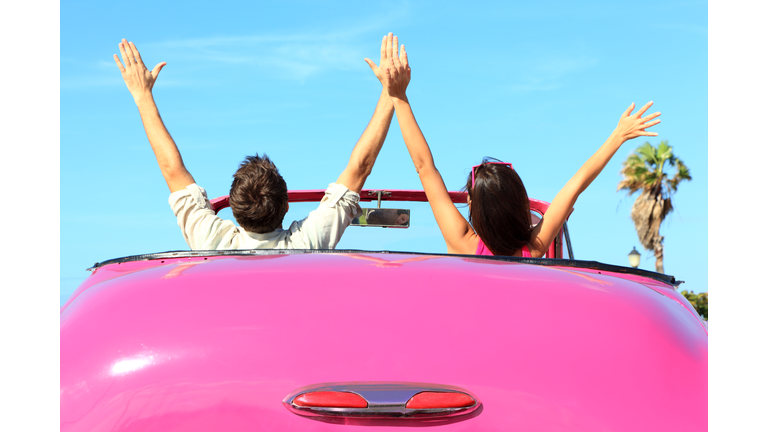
331	399
432	400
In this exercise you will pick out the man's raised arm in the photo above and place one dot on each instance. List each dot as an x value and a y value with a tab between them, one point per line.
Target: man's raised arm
368	146
140	81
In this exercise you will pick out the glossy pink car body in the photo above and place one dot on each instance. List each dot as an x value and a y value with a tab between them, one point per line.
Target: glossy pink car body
202	341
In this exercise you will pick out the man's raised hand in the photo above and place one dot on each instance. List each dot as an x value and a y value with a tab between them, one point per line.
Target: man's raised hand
138	78
381	70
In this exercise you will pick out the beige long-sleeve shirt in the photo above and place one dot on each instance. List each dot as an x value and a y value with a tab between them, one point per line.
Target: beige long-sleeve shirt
322	229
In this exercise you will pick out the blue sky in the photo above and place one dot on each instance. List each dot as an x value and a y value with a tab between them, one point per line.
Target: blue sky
540	85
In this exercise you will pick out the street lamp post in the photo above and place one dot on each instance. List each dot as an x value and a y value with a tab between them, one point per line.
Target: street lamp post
634	258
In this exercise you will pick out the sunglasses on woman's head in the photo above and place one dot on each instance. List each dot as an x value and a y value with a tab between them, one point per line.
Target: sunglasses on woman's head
487	163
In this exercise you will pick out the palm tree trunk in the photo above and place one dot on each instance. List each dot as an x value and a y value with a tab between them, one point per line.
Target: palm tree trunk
658	251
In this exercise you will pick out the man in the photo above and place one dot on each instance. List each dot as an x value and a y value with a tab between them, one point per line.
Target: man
258	196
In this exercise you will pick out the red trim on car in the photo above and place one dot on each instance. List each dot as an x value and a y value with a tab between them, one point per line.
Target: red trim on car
330	399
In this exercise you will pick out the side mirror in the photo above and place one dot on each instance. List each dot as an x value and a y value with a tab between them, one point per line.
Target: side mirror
385	218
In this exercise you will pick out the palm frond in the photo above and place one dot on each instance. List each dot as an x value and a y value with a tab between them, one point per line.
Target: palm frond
663	152
682	170
682	174
645	170
647	153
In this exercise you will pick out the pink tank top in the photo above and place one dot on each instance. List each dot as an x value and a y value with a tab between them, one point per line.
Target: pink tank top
482	250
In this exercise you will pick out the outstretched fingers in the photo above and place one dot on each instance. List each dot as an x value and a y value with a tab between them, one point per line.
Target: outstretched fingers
629	110
641	129
135	53
382	61
126	58
646	126
650	117
644	109
395	55
119	65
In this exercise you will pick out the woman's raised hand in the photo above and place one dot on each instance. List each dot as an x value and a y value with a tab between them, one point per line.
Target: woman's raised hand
634	125
398	73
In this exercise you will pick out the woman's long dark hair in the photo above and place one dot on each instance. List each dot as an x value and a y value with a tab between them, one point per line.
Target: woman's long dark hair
500	212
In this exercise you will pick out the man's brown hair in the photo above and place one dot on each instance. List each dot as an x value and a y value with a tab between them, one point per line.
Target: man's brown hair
258	196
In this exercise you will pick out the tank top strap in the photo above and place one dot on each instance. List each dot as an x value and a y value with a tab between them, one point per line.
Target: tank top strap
481	249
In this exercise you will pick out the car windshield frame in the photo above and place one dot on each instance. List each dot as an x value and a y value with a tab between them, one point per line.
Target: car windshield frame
538	207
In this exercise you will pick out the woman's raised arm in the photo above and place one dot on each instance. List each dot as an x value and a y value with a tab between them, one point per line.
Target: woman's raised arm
458	234
630	126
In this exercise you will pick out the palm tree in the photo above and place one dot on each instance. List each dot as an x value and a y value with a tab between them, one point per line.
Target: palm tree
644	171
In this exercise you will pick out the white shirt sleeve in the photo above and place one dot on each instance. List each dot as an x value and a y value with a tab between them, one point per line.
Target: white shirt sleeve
202	229
323	228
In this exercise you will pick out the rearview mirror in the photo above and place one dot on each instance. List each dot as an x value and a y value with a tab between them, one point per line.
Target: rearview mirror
385	218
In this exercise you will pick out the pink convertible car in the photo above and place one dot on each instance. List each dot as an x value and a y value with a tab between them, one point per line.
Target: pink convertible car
341	340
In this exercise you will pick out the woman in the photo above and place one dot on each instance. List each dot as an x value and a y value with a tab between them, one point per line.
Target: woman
495	191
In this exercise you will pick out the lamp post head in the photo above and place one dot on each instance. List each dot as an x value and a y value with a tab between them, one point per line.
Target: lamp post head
634	258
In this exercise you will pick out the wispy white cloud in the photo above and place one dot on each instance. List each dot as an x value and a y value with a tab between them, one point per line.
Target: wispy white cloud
102	73
293	56
288	56
549	73
111	80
